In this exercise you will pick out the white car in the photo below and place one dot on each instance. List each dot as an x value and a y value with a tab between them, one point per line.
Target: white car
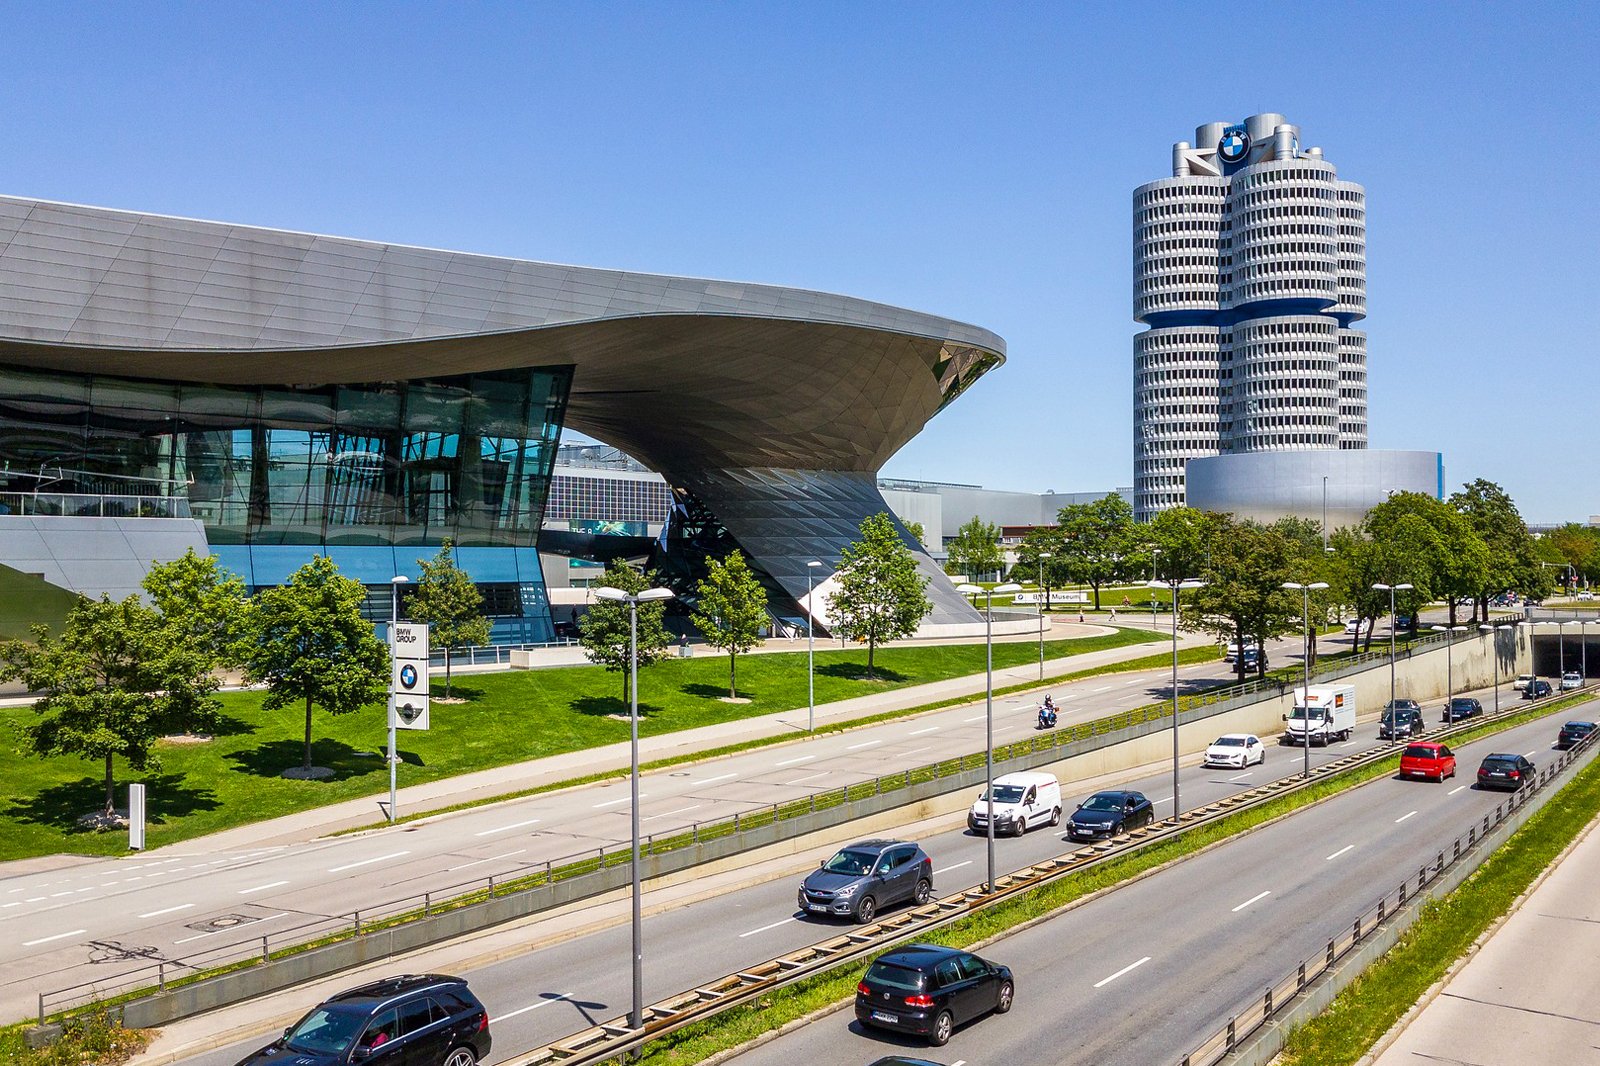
1352	626
1521	682
1571	679
1235	749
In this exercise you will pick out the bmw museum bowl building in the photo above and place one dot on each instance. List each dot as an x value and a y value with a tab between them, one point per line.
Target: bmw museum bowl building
268	396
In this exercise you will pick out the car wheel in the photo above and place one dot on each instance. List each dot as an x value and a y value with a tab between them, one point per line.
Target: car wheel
1007	991
866	909
461	1056
1021	826
1120	829
1055	817
943	1025
924	891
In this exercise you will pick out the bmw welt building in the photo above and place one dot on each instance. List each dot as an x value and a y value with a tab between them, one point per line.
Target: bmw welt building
270	395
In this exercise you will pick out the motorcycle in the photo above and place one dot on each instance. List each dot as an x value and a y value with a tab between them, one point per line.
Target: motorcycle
1047	718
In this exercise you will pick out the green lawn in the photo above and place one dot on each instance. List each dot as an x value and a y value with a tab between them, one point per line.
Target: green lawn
507	717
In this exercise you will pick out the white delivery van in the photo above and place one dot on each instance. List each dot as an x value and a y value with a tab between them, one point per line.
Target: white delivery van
1321	715
1021	800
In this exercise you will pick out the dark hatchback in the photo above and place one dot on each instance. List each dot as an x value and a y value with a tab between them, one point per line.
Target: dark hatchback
1401	718
1536	690
1462	708
928	990
1504	771
415	1020
1573	733
1109	814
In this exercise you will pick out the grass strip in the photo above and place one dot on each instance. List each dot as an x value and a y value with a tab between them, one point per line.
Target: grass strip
93	1038
1443	932
697	1042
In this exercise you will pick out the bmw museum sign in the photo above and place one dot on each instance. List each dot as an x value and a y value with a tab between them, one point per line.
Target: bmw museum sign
409	684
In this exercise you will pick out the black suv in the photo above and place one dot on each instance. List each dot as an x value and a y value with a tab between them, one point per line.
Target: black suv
868	875
929	990
1108	814
415	1020
1462	708
1505	771
1401	718
1573	733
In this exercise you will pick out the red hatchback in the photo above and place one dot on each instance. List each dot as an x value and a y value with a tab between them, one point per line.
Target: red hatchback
1428	759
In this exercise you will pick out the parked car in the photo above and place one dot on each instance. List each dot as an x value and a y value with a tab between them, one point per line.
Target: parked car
1572	733
1235	749
867	876
1536	690
1021	800
1352	626
1401	718
1403	621
1586	595
1571	680
1461	708
414	1020
928	990
1504	771
1521	682
1428	759
1108	814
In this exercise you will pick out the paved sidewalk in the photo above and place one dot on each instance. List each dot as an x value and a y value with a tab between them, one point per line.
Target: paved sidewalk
1531	992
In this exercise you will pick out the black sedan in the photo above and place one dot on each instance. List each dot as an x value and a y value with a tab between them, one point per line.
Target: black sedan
1573	733
1461	708
1536	690
1500	770
1109	814
928	990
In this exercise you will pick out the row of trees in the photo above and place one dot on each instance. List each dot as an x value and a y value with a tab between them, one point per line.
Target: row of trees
123	673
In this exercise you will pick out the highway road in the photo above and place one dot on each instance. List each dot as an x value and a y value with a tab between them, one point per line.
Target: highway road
81	923
1248	910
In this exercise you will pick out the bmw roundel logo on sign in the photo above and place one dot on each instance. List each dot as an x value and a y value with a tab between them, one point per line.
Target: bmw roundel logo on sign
1235	144
408	676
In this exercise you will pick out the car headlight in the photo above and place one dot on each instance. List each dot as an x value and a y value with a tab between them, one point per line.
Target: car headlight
847	891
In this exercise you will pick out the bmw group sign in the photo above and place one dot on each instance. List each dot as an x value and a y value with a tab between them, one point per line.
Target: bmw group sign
409	685
1234	145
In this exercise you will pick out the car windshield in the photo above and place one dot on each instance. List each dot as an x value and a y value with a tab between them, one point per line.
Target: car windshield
1104	801
888	975
1229	742
851	862
1299	714
1462	702
1499	762
1006	794
325	1032
1580	727
1418	752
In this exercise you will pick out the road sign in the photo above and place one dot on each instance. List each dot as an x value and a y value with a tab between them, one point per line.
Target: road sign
409	682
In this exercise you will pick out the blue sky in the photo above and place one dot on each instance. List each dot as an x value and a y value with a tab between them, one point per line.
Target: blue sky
972	160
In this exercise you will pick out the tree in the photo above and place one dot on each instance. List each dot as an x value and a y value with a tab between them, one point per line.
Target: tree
1457	559
975	549
451	605
1400	557
1579	547
1042	541
918	533
1098	540
109	684
1513	563
202	607
1244	598
730	610
603	629
1184	536
880	595
310	643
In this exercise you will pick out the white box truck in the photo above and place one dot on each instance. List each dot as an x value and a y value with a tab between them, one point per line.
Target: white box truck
1321	715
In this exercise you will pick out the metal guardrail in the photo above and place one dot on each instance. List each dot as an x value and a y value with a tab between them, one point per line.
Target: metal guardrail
93	505
1279	996
490	654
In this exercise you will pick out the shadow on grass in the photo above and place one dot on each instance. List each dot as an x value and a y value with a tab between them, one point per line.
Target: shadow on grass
458	691
276	756
611	707
858	672
60	805
715	692
227	725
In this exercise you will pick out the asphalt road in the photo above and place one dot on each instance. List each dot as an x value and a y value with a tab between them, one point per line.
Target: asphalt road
83	923
1318	871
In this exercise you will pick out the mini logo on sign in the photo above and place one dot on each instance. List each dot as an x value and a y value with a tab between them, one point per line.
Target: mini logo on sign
408	676
408	712
1235	144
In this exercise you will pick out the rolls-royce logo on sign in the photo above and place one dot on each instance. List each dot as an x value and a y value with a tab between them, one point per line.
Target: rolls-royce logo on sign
1235	144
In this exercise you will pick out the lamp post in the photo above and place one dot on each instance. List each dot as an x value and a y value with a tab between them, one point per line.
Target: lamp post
1325	513
811	654
1173	587
636	1018
1449	675
1561	649
1494	653
1043	603
394	617
1391	590
988	706
1305	693
1155	566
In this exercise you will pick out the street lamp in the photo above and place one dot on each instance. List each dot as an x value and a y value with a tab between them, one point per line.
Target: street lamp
1393	624
636	1018
1155	567
1494	653
1305	695
1042	605
1561	649
1174	586
1449	677
811	655
394	618
988	703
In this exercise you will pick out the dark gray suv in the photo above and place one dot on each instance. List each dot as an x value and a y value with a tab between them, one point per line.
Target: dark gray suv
867	876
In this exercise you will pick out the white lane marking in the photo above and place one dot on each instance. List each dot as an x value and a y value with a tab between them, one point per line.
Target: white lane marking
1163	799
1532	753
1341	851
214	932
57	895
1103	688
1453	791
261	888
1253	899
58	936
764	928
1403	817
712	780
558	998
808	777
624	799
916	751
516	825
957	866
975	718
791	762
3	906
863	744
368	862
1241	777
35	899
668	814
1349	743
919	732
169	910
1125	970
492	858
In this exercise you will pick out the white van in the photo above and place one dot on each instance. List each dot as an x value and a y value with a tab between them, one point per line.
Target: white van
1021	800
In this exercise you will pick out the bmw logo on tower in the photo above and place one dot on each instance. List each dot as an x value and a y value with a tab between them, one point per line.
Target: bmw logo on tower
1235	144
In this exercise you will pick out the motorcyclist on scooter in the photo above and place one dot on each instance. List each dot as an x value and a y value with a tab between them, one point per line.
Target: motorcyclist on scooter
1047	714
